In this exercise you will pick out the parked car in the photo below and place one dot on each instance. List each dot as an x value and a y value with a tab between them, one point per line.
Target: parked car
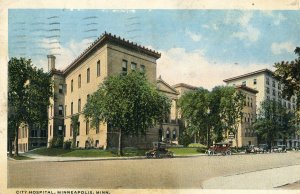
251	149
262	148
281	148
159	151
219	148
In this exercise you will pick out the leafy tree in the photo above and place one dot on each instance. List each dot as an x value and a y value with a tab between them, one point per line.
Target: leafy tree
231	105
75	129
127	103
274	121
29	91
288	73
211	114
194	107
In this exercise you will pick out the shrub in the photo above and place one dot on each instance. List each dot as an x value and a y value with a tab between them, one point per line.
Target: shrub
185	139
201	149
56	142
67	144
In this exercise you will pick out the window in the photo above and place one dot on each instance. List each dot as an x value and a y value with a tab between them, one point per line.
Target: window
168	134
64	132
60	88
79	105
174	134
71	108
60	130
65	110
267	81
71	85
77	144
289	105
273	83
133	66
254	82
98	68
248	101
60	109
88	75
97	143
143	70
87	129
268	90
273	92
244	83
268	97
279	86
251	102
124	67
279	94
79	80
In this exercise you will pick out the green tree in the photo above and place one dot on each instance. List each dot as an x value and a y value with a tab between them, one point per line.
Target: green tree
29	91
231	105
127	103
273	121
194	107
75	128
288	73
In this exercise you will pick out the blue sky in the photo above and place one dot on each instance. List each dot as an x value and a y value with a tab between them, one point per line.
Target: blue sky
199	47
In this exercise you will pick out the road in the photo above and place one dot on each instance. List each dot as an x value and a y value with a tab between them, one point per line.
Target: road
175	173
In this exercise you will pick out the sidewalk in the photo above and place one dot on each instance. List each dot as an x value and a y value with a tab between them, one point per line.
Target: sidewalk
264	179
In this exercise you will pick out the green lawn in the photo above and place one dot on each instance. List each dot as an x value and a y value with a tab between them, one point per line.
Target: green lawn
128	152
184	151
50	151
87	153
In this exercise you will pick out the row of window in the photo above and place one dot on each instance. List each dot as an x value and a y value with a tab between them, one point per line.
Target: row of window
174	136
248	102
133	67
249	133
284	103
248	118
62	129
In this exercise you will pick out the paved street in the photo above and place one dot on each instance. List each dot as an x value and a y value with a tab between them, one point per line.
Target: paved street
190	172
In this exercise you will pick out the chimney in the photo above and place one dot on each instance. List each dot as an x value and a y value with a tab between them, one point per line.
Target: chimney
51	62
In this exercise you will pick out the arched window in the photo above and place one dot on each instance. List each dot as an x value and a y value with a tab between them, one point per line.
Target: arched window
174	134
168	133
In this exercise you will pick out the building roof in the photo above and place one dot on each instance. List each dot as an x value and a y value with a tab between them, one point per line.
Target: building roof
185	86
160	80
249	74
108	37
243	87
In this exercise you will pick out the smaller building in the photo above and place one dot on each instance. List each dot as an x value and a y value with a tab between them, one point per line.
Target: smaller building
246	134
31	137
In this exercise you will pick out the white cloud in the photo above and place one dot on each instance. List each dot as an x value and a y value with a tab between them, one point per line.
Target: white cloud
177	65
68	52
277	18
212	26
279	48
247	32
193	35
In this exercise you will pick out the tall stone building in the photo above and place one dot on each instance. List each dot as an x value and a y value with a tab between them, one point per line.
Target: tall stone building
108	55
268	88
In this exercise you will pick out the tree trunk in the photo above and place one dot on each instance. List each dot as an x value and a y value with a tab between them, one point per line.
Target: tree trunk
17	140
74	140
10	147
120	151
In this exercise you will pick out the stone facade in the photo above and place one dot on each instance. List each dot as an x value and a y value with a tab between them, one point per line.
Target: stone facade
268	88
109	55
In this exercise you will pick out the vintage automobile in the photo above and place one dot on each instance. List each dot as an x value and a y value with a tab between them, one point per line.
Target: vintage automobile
219	148
159	151
279	148
262	148
251	149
